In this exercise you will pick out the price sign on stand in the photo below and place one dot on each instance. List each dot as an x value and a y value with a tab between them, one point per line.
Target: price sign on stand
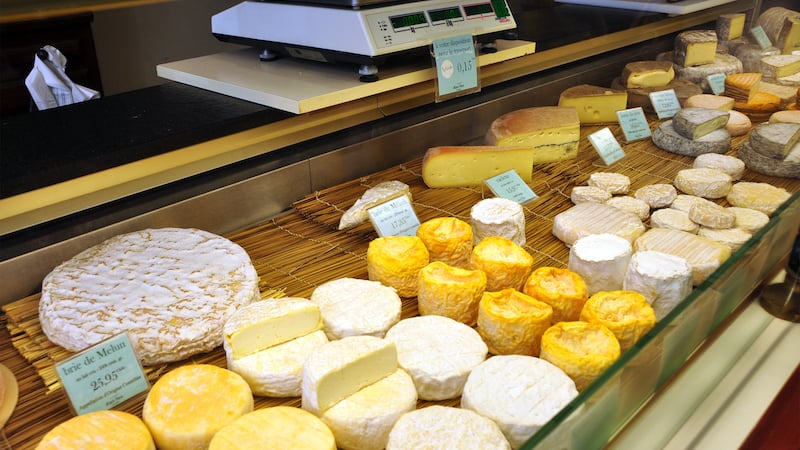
102	376
716	82
606	146
395	217
761	37
511	186
665	103
456	66
634	124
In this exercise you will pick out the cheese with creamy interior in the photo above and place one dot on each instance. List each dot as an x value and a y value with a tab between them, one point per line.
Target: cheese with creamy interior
647	74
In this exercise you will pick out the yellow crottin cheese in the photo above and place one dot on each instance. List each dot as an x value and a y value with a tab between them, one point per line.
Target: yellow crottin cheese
278	428
450	291
188	405
626	313
594	104
507	265
553	132
647	74
582	350
396	261
447	239
564	290
99	430
695	48
470	165
511	322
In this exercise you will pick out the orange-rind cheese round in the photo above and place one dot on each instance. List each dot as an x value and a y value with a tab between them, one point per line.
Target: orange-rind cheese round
396	261
447	239
450	291
99	430
583	350
506	264
626	313
512	323
564	290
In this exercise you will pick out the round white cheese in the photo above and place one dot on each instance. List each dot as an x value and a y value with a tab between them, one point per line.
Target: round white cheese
748	219
630	204
730	165
762	197
703	182
615	183
498	216
352	307
520	393
601	260
732	237
674	219
588	218
595	194
663	279
658	195
438	353
446	427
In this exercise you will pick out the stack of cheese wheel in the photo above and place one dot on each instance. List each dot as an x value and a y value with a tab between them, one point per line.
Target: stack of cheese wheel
694	131
642	78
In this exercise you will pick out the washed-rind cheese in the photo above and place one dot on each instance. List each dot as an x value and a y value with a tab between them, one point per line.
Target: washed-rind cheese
188	405
276	427
703	255
364	420
170	289
497	216
742	86
396	261
506	264
511	322
595	218
583	350
647	74
762	197
457	166
440	426
352	307
657	195
788	167
625	312
447	239
581	194
564	290
450	291
694	123
520	393
666	138
695	47
615	183
774	140
730	165
663	279
674	219
99	430
787	94
438	353
601	260
380	193
703	182
595	104
552	132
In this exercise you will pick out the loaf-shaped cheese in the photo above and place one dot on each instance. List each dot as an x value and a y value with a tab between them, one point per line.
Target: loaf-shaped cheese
782	26
456	166
695	47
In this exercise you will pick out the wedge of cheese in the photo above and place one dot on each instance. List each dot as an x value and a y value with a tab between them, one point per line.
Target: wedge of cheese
99	430
381	192
695	47
782	26
647	74
694	123
730	26
553	132
775	140
594	104
668	139
703	255
457	166
710	101
341	368
275	427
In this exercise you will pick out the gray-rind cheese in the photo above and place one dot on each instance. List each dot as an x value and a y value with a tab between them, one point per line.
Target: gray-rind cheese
774	140
703	255
595	218
170	289
703	182
447	427
666	138
694	123
783	168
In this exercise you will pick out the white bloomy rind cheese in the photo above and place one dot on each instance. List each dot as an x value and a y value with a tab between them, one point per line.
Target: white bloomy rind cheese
498	216
601	260
553	132
381	192
339	369
352	307
99	430
731	165
438	353
188	405
275	427
663	279
594	218
762	197
170	289
519	393
703	182
458	166
703	255
614	183
447	427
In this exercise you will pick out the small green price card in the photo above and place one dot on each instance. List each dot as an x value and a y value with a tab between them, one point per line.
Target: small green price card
760	37
511	186
634	124
716	82
394	217
456	66
665	103
606	146
102	376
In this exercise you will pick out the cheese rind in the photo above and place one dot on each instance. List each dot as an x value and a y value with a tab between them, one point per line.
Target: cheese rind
757	162
703	255
505	263
99	430
498	216
615	183
352	306
458	166
657	195
667	138
552	132
625	312
594	218
762	197
730	165
703	182
396	261
601	260
583	350
730	26
647	74
275	427
594	104
439	426
511	322
581	194
447	239
662	278
674	219
381	192
450	291
774	140
694	123
710	101
695	47
711	215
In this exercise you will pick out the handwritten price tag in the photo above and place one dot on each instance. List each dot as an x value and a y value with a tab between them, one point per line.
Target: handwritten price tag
607	146
716	82
456	66
509	185
634	124
394	218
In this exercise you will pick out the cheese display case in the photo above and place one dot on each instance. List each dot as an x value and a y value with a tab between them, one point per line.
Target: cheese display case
285	213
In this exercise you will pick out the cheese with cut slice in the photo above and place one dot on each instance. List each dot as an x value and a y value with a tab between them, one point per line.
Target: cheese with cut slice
674	219
188	405
695	47
779	66
264	324
723	64
762	197
450	291
396	261
374	196
601	261
511	322
363	420
583	350
694	123
457	166
275	427
520	393
352	307
657	195
447	239
439	426
552	132
498	216
625	312
99	430
438	353
775	140
615	183
663	279
339	369
667	138
730	26
594	104
788	167
703	182
730	165
703	255
647	74
782	26
787	94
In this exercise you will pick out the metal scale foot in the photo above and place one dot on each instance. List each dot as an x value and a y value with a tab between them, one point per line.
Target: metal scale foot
782	300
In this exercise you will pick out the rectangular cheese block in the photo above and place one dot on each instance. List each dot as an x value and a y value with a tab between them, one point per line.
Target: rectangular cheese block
553	132
457	166
730	26
647	74
779	66
594	104
702	254
695	48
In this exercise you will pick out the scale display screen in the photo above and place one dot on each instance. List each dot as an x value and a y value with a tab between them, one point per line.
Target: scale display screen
439	15
478	9
408	20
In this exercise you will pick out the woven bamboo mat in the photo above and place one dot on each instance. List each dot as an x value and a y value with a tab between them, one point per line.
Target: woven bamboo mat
301	249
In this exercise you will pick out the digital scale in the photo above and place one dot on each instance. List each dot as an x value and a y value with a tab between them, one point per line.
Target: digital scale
362	32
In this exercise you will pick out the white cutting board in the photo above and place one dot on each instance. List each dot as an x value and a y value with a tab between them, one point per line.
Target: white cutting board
659	6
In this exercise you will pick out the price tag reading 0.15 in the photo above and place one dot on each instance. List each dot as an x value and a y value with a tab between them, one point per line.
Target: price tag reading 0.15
456	67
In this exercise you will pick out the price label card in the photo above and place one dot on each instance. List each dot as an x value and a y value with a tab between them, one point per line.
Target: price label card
511	186
102	376
634	124
394	218
665	103
717	83
607	146
761	37
456	66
